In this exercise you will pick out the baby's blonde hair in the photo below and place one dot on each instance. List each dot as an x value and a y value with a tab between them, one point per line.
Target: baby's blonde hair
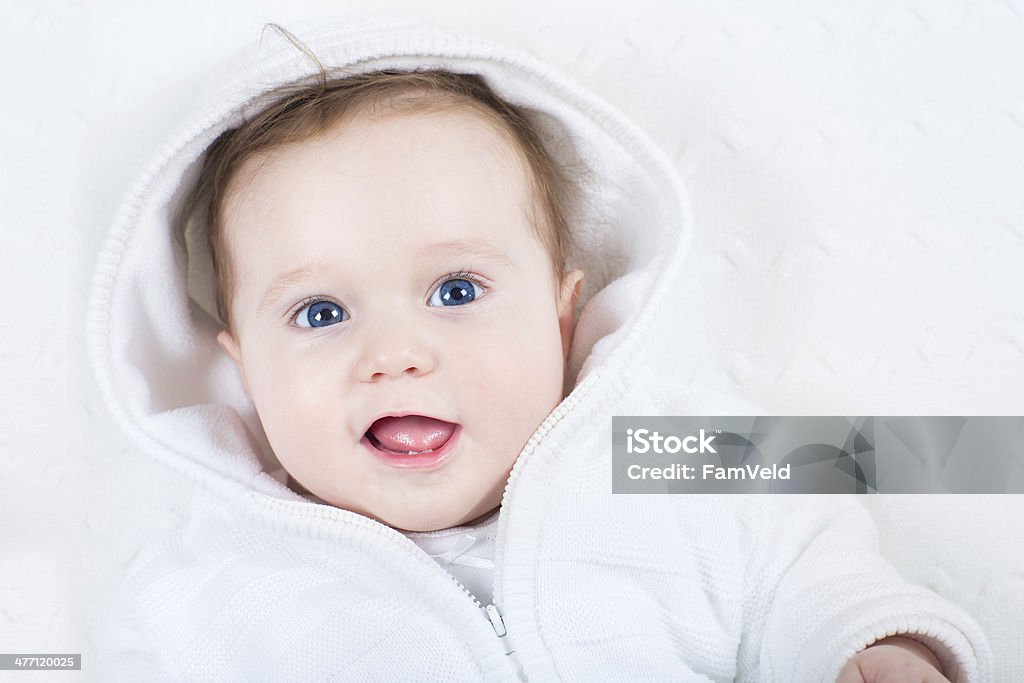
302	111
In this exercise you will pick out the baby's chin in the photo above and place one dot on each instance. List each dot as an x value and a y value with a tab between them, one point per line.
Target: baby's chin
422	518
420	521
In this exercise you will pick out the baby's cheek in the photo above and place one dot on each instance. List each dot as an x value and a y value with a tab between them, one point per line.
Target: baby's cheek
523	360
292	404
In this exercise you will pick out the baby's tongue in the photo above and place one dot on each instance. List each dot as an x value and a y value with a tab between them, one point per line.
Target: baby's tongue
411	433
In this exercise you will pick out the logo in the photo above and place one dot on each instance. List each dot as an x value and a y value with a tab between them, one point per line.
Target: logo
646	441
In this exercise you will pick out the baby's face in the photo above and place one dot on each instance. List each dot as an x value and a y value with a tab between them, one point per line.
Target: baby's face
390	270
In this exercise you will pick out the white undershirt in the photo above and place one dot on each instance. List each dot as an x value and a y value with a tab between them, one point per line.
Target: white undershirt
467	552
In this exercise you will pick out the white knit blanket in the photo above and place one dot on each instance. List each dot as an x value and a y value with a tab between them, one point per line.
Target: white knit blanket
855	172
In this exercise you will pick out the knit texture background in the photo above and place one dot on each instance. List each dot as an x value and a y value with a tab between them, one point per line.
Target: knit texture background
855	173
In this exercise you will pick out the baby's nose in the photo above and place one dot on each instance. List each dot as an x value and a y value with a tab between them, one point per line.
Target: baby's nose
392	358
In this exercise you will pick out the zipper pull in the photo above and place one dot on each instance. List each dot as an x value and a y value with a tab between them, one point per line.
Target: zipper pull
496	621
498	624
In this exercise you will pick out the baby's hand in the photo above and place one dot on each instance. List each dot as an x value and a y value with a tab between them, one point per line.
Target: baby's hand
893	660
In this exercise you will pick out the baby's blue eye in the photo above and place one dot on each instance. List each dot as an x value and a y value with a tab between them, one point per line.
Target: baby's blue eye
320	314
455	292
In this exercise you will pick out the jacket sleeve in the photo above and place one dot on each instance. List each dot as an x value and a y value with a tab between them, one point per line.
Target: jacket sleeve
818	591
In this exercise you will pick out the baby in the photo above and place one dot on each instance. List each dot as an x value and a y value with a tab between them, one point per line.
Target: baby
399	305
399	259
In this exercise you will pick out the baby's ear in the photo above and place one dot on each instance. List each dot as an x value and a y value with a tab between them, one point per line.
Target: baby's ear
229	344
568	296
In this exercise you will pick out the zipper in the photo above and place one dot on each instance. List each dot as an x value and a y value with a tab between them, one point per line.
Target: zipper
493	611
497	622
560	412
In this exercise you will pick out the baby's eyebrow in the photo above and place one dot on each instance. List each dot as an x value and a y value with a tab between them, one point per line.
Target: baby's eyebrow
284	283
474	251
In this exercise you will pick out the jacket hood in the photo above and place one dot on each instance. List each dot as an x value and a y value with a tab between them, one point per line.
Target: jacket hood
151	322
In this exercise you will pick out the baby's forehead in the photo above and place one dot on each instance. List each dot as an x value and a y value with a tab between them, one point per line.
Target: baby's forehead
408	167
464	142
366	135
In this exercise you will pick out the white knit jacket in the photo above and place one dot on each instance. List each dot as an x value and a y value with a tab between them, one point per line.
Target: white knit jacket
263	584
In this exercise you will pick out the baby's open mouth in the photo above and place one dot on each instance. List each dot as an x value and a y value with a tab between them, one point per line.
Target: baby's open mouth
409	434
